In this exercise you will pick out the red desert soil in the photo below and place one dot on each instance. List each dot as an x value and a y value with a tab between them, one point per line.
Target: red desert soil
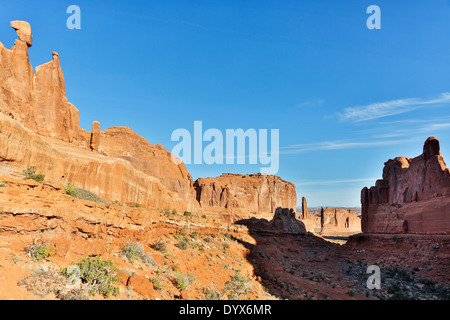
276	265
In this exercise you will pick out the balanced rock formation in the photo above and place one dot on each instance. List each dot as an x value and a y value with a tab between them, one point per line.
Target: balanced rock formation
412	197
37	101
244	196
23	30
39	127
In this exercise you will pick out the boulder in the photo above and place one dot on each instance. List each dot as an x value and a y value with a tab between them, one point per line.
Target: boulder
284	221
142	285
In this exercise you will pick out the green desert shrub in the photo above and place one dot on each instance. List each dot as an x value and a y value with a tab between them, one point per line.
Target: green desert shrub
167	212
135	251
70	189
2	185
160	246
38	251
183	281
157	281
237	286
212	293
30	173
98	274
83	194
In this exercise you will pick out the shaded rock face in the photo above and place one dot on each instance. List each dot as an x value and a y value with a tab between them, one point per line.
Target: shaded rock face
284	221
412	197
239	195
305	214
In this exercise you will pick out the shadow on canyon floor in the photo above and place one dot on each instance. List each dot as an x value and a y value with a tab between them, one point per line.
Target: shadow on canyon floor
304	266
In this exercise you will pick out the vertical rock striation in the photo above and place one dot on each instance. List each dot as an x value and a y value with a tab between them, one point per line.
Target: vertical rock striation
412	197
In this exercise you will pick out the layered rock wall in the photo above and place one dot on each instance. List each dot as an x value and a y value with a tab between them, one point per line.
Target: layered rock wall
240	196
112	179
412	197
339	221
154	160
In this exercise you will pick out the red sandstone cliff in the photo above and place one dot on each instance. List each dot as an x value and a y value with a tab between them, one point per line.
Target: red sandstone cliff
154	160
244	196
39	127
412	197
37	101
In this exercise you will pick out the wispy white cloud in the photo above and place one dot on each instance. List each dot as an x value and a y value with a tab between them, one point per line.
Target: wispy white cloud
311	103
331	182
409	127
390	108
332	145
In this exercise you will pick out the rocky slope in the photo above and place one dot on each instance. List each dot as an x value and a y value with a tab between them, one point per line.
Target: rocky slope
183	257
196	258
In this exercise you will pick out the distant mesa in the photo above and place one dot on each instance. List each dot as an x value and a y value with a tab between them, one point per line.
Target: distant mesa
330	221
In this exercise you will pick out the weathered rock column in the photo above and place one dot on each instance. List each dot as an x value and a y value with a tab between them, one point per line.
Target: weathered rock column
95	136
304	209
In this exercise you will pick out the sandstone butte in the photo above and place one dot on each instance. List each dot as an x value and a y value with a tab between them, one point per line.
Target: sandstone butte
40	128
412	198
331	222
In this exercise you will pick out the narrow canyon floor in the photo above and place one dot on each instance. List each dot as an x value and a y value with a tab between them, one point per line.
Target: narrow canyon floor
163	254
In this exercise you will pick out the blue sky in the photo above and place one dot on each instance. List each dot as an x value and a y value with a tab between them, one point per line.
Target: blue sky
345	98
